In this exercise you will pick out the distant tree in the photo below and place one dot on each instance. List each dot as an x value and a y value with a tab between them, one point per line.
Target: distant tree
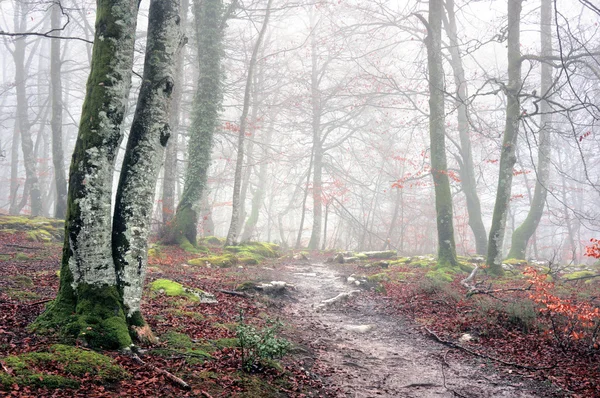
439	166
210	22
509	142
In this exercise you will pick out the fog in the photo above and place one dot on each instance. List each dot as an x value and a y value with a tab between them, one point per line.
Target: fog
337	147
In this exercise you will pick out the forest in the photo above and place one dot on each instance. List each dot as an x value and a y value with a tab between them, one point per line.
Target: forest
288	198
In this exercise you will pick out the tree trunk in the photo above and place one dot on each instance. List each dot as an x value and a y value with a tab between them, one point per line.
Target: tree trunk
170	167
466	168
232	235
148	138
439	167
89	305
525	231
14	170
317	192
259	194
24	125
507	157
207	103
58	160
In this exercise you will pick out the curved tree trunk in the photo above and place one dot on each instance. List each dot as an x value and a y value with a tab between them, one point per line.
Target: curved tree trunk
207	103
507	156
466	168
525	231
145	151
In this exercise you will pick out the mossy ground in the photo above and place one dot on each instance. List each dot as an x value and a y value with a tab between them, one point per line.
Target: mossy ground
72	361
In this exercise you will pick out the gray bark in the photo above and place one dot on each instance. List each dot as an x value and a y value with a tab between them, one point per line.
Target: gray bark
148	138
60	181
507	156
525	231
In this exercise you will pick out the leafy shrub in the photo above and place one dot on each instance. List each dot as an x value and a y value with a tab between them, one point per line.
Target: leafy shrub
260	345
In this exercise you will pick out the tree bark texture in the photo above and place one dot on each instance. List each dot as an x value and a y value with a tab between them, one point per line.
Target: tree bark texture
511	129
89	305
148	138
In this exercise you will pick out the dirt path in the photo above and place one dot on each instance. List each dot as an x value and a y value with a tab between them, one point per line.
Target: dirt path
376	355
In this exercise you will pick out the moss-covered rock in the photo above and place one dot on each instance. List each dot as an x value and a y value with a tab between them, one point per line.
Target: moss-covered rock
38	229
214	241
177	340
72	361
224	261
249	249
175	289
441	274
580	274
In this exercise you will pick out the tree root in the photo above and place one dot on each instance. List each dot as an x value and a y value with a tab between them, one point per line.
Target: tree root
458	346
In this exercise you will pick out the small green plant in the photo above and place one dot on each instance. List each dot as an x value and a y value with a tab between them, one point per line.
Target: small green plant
260	345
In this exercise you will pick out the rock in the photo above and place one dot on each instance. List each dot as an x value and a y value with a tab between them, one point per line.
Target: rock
338	258
339	298
465	338
274	287
351	279
359	328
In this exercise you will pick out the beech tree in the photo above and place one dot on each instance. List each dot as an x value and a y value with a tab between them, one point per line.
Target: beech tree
509	142
104	259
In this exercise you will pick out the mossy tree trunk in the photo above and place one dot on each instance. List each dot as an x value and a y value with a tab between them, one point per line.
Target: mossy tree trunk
439	167
205	111
525	231
232	235
170	167
148	138
511	129
465	160
90	304
58	157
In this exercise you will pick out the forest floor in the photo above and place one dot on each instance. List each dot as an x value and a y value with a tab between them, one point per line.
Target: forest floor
398	334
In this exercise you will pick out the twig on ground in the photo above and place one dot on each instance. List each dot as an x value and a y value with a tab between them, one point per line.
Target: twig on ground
39	302
454	345
22	247
174	379
234	293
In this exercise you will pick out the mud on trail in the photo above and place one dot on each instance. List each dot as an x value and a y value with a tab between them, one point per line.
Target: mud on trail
367	353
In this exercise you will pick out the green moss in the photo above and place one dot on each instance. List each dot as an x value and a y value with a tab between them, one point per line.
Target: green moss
377	278
154	252
580	274
214	241
515	262
39	235
263	249
226	343
361	256
441	274
168	287
183	313
22	280
177	340
72	360
224	261
22	295
21	257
